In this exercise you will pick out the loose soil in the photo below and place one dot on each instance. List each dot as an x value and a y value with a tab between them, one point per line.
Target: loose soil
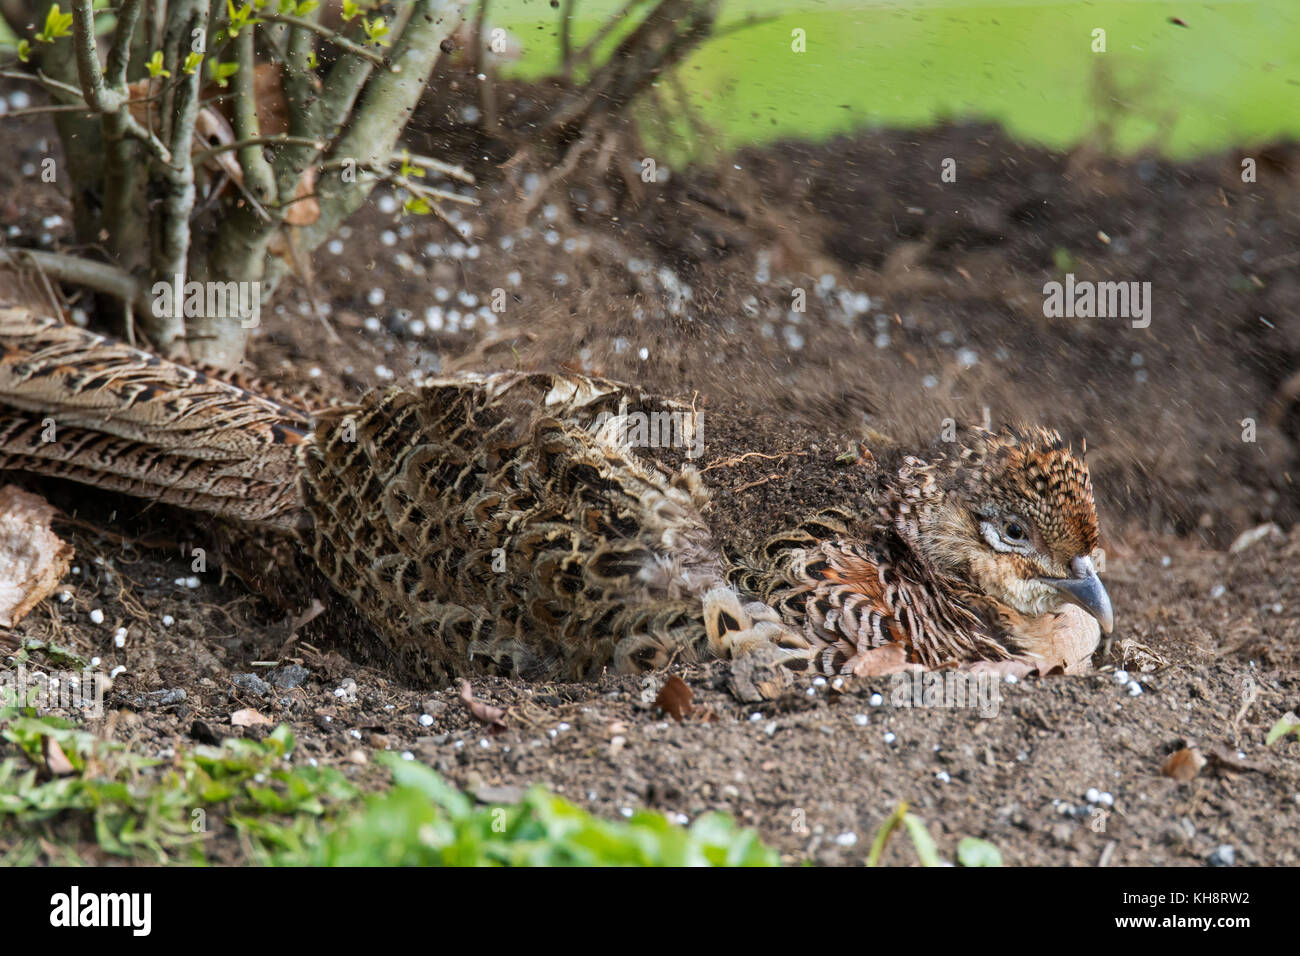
924	301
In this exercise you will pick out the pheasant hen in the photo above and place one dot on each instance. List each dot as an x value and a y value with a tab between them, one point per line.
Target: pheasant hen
503	523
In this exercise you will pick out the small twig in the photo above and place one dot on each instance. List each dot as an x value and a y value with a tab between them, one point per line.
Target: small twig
332	35
37	110
49	291
732	462
560	172
428	162
585	54
417	189
203	156
755	484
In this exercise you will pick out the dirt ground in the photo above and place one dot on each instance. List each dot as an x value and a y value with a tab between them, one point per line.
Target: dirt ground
923	302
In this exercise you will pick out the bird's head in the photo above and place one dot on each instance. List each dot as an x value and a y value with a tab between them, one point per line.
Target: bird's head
1012	514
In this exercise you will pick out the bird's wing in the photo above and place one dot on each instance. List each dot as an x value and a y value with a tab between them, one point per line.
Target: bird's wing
510	527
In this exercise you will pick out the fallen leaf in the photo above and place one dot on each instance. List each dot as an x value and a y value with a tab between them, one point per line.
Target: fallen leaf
494	717
1183	764
33	559
56	761
675	698
248	718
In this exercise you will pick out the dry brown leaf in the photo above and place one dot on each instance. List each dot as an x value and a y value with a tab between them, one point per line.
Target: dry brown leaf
494	717
56	761
248	718
675	698
33	559
878	661
304	210
1183	764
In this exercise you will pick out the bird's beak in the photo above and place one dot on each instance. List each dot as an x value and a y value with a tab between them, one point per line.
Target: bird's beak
1085	589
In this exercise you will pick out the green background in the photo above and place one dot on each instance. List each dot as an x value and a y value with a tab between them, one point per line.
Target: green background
1230	77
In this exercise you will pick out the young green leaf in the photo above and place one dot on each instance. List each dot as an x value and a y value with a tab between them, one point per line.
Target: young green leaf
1286	724
155	65
972	851
222	72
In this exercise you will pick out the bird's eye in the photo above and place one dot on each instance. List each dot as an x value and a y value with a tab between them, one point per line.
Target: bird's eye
1013	531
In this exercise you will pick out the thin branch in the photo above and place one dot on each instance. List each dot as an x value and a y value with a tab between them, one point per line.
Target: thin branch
589	48
99	276
566	35
170	219
204	155
416	188
119	54
110	103
51	84
333	36
96	92
438	166
37	110
428	162
384	107
258	176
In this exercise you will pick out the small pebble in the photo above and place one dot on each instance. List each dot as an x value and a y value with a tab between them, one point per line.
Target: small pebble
97	616
1224	855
